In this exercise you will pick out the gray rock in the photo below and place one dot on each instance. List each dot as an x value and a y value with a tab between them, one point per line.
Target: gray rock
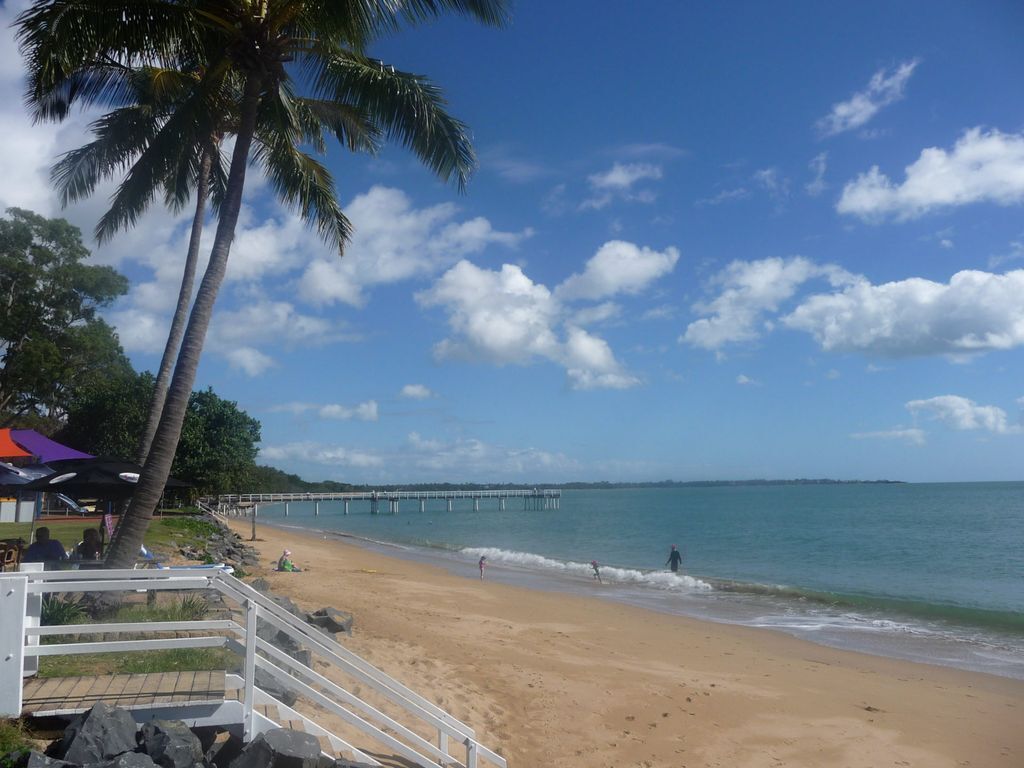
127	760
102	733
275	689
171	744
332	620
38	760
280	748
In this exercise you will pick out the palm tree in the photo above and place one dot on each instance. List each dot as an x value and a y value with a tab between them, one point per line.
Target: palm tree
130	136
148	135
251	41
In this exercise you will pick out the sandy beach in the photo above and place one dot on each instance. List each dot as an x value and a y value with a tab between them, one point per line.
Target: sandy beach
554	679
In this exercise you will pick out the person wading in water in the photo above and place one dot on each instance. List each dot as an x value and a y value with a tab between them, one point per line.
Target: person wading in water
674	559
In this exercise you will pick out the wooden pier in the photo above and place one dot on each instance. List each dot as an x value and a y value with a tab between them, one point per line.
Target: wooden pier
249	503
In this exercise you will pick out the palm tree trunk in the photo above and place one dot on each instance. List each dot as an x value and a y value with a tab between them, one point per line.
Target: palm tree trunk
156	405
125	546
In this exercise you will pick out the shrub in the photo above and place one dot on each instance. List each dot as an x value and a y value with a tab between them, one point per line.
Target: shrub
62	609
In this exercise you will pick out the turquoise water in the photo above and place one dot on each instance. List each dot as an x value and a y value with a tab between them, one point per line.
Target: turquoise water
933	572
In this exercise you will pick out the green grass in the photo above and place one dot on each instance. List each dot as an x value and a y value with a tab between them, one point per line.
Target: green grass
67	532
169	533
12	740
139	662
177	528
187	608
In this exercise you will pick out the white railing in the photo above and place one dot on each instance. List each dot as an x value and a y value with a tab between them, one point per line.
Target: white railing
21	596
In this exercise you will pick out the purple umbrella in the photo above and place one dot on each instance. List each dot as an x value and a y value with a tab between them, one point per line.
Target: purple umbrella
43	448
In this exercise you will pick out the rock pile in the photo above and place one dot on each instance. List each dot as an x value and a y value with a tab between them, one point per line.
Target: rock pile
225	546
107	737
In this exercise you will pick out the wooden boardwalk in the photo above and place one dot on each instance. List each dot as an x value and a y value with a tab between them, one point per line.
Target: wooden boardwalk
69	695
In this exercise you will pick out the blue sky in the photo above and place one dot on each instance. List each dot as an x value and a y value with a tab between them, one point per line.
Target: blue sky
706	241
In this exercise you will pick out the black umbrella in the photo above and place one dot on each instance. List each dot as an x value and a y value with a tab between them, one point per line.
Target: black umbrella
102	477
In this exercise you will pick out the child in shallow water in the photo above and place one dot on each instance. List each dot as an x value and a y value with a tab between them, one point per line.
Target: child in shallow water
597	572
482	564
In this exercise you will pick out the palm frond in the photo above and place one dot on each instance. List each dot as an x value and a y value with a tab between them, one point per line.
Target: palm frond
407	107
304	183
121	136
181	136
352	127
58	37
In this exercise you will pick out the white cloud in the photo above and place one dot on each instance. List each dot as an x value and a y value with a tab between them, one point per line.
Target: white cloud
296	408
431	459
618	267
749	290
263	321
981	167
961	413
771	182
363	412
503	317
598	313
818	166
725	196
250	360
912	436
416	392
622	176
975	312
618	181
883	89
394	241
832	374
316	453
470	457
745	381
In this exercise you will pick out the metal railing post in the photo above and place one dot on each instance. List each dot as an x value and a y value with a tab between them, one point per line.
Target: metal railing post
249	672
471	756
442	741
12	642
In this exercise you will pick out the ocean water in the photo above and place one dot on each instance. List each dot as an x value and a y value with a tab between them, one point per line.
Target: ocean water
929	572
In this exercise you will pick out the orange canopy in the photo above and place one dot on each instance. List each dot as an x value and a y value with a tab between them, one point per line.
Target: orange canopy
9	449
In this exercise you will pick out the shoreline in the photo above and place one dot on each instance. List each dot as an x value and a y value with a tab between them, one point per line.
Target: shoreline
883	627
560	678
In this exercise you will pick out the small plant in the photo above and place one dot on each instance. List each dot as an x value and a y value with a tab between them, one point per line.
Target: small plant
192	608
62	609
13	742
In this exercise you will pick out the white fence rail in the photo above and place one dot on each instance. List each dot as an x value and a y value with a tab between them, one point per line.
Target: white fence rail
20	648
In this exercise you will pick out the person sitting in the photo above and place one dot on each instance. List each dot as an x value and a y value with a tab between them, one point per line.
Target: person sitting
44	549
284	563
89	548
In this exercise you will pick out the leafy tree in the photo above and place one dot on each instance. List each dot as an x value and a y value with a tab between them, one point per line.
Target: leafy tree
265	479
217	452
249	42
51	340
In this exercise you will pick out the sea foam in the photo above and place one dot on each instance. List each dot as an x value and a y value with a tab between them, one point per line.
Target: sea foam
664	580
